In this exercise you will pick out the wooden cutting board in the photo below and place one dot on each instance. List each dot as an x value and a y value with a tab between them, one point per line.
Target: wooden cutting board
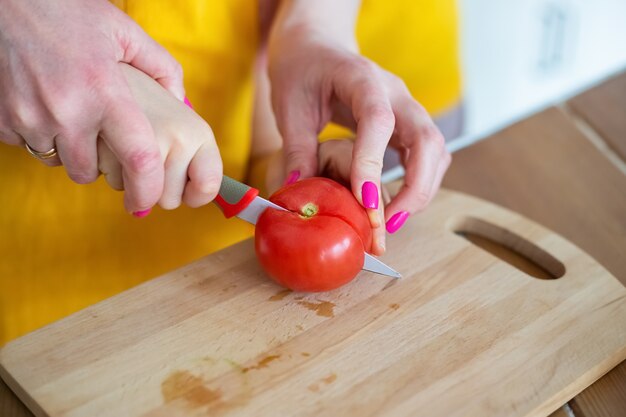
462	334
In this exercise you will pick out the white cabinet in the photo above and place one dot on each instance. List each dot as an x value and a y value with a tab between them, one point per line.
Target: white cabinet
520	56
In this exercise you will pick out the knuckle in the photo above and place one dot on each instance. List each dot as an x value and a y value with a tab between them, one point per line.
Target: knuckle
398	83
413	106
297	150
79	166
437	137
176	69
364	66
381	114
202	191
202	132
170	202
82	177
142	161
95	78
22	116
420	199
431	133
210	185
368	164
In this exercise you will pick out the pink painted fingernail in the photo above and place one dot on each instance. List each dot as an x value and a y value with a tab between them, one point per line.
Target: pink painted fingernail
188	103
396	221
142	213
369	191
292	177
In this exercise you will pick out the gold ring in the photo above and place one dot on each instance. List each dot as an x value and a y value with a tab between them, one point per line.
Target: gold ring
41	155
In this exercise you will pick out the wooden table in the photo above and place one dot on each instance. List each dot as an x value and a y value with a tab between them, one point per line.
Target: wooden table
565	168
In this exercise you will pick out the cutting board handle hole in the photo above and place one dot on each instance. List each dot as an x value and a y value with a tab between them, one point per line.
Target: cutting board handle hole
509	247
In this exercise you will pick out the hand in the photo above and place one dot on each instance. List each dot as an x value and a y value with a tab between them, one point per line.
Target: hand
188	152
61	87
332	164
315	80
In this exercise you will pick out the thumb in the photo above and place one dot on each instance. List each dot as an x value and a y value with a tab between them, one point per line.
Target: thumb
145	54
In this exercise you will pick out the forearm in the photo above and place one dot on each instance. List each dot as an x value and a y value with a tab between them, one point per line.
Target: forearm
332	18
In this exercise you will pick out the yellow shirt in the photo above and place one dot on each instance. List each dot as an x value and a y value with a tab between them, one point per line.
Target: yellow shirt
64	246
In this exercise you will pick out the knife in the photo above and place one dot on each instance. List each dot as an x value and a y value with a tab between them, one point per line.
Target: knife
243	201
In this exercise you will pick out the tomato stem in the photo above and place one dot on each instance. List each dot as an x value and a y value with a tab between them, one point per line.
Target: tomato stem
309	210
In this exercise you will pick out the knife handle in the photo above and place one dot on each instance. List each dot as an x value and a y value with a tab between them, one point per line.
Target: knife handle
234	196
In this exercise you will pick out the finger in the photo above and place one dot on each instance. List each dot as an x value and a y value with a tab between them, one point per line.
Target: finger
79	156
35	142
444	164
334	160
175	180
378	233
109	166
375	124
299	132
426	151
205	176
129	135
9	137
145	54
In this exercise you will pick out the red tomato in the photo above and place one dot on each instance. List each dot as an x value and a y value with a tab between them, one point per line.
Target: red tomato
318	244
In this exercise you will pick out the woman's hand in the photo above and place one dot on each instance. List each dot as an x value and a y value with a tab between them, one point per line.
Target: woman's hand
315	79
188	153
332	163
61	87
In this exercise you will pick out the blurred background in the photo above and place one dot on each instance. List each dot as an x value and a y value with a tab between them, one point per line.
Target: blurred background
521	56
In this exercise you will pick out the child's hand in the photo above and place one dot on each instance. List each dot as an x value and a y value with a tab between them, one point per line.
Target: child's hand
190	157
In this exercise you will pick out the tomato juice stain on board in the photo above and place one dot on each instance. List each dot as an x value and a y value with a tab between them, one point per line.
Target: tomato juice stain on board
323	308
324	381
188	387
280	295
263	363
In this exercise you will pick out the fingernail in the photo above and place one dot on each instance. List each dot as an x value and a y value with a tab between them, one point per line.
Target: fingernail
396	221
292	177
188	103
369	191
142	213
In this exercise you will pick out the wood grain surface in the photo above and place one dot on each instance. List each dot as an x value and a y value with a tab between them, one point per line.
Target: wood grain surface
546	169
10	405
604	108
607	397
482	170
461	327
552	174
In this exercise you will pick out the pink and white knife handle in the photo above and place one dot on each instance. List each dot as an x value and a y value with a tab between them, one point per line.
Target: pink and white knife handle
234	196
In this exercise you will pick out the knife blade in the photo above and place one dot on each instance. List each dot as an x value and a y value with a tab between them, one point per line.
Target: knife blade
241	200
